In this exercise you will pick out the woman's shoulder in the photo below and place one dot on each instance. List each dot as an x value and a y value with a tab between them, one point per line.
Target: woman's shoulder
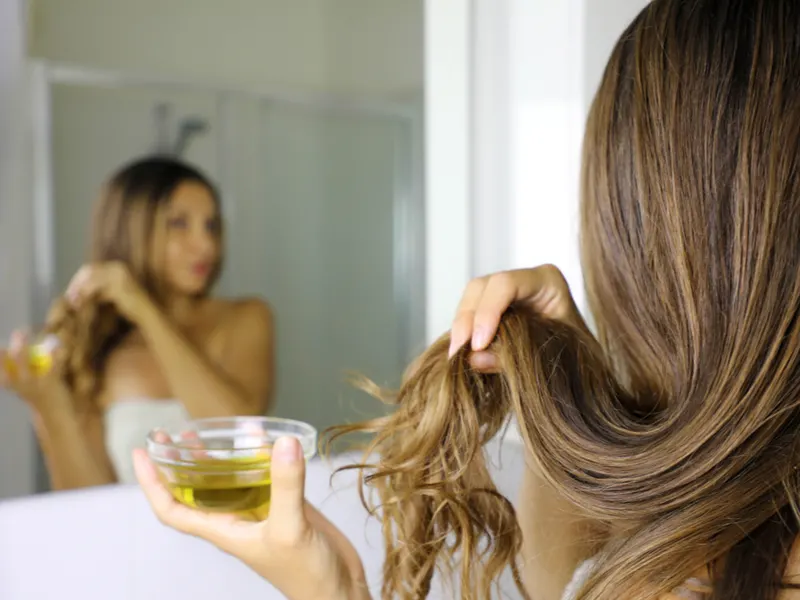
231	313
239	324
239	320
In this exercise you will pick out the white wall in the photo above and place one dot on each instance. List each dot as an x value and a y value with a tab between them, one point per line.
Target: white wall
491	127
338	46
448	143
524	72
535	67
559	51
606	21
547	112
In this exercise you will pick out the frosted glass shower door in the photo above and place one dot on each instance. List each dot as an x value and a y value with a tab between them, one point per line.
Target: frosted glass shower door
324	228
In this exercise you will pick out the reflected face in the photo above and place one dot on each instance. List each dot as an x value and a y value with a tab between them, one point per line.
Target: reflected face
187	240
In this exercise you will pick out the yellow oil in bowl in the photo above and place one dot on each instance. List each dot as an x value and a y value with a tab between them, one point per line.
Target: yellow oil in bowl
224	464
237	485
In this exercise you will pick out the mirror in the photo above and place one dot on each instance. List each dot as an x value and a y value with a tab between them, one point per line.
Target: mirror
307	117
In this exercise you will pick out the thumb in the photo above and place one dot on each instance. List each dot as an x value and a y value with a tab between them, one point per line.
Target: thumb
287	505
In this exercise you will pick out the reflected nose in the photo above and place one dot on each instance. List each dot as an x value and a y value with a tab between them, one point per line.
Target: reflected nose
204	243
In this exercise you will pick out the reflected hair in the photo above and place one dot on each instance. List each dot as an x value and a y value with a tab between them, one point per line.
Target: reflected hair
123	230
678	423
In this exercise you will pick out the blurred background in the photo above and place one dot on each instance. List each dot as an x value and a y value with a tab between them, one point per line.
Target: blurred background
372	155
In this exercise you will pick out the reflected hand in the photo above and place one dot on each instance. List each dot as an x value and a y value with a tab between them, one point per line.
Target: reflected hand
110	282
296	548
43	391
485	299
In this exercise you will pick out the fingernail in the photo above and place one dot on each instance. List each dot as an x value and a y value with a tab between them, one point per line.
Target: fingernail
453	348
456	341
16	342
483	361
480	338
286	450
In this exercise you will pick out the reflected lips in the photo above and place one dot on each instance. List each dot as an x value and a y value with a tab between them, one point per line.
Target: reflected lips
201	269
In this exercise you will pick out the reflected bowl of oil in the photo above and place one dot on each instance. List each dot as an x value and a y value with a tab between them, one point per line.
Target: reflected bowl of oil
223	464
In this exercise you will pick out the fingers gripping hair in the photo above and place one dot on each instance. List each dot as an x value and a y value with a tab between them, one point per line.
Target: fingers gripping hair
439	505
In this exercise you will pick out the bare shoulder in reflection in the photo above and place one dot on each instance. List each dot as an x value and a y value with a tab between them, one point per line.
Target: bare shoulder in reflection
143	343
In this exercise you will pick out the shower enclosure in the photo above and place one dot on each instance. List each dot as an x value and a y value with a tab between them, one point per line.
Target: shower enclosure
323	205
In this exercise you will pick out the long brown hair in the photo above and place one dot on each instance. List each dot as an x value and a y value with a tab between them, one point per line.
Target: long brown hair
678	424
123	227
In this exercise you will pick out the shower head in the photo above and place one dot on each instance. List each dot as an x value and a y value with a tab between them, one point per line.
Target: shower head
188	128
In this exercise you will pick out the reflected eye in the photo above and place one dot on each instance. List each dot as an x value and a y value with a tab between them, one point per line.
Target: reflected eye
176	223
213	226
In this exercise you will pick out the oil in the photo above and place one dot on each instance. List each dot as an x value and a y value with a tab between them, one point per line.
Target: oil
240	485
40	358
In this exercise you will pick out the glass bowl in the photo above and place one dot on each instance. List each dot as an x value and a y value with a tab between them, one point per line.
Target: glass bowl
41	352
223	464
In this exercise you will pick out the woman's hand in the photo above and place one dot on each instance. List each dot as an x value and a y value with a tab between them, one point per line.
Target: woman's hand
296	548
485	299
43	391
110	282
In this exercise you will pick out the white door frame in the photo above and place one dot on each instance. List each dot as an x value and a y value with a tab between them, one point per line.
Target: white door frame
467	149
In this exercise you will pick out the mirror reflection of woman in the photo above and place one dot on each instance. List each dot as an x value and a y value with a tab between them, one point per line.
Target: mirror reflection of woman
143	342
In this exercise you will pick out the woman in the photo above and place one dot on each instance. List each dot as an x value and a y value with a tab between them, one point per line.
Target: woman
143	341
664	454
